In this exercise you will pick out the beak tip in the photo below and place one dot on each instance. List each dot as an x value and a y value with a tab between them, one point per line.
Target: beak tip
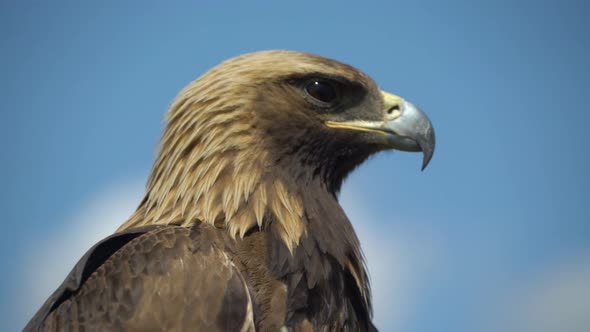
426	161
427	147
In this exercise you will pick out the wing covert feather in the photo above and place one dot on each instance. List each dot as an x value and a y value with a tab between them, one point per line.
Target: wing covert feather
169	278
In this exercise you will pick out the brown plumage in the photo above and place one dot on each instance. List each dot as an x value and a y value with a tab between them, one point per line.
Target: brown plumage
240	228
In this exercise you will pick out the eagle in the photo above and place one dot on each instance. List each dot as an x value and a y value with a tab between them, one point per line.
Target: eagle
240	228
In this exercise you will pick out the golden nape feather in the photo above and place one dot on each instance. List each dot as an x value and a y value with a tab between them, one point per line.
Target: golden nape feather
240	228
212	167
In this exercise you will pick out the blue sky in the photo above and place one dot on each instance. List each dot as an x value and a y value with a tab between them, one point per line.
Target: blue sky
494	235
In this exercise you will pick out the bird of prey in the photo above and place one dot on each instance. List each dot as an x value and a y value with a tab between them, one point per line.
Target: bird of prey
240	228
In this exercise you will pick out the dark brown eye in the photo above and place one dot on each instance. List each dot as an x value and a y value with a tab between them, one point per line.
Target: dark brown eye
321	91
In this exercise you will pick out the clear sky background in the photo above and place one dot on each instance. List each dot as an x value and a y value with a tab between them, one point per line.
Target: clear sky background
493	236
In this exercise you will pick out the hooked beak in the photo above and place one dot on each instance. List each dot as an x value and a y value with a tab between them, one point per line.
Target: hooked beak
404	127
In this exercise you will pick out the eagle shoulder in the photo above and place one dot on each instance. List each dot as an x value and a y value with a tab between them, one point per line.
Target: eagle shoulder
156	277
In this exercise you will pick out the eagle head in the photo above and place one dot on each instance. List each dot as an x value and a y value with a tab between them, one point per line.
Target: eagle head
249	139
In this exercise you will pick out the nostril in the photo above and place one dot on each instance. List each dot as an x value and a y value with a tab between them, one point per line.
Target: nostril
393	109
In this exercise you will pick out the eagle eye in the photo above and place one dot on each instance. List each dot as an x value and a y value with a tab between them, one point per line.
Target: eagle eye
321	91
